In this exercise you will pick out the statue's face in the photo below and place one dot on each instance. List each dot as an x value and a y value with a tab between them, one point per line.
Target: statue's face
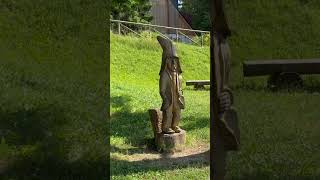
172	63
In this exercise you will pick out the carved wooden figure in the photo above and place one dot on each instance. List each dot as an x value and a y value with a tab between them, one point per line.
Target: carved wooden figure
170	87
225	134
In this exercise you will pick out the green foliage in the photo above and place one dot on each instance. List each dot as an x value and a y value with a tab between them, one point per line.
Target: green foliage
5	150
199	10
131	10
205	39
149	34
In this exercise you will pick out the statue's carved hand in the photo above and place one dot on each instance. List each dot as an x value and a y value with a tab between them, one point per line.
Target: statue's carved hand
225	101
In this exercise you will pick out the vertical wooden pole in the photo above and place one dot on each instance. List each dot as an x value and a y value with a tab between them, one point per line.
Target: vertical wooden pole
177	35
168	16
213	110
119	28
201	39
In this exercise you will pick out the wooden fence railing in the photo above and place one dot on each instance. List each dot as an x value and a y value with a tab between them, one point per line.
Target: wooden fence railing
180	34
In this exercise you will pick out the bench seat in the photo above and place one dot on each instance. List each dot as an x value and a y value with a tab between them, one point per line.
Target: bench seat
269	67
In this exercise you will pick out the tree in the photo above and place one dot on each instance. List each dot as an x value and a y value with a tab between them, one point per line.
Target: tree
200	12
131	10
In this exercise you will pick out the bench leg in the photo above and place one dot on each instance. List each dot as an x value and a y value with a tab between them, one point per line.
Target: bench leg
199	87
285	80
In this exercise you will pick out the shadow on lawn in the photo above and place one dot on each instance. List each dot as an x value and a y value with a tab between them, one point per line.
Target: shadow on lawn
136	128
123	167
271	176
205	88
31	126
310	85
41	151
194	123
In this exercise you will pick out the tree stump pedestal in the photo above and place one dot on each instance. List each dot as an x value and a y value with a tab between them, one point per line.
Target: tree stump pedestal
169	143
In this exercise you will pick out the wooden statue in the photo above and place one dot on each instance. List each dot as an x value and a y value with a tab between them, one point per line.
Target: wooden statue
225	134
170	87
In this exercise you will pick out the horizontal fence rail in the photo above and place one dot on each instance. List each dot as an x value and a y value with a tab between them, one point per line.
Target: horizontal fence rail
189	36
152	25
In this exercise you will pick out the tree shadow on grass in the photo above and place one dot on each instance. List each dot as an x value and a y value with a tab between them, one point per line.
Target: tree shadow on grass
135	127
195	123
123	167
271	176
32	126
149	148
142	142
310	85
205	88
40	149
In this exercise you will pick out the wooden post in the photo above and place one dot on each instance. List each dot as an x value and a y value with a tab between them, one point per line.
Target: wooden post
177	35
224	129
119	28
201	39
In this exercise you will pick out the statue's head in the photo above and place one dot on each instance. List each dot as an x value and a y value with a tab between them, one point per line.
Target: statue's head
219	20
172	63
170	58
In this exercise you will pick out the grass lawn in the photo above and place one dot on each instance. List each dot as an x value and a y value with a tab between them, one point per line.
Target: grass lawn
134	90
52	90
279	130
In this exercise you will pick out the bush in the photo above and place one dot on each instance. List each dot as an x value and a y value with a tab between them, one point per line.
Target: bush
206	39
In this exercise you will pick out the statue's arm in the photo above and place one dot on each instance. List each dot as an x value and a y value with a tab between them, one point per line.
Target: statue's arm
163	86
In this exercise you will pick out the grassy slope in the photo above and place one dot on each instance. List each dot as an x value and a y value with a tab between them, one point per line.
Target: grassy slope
52	76
279	130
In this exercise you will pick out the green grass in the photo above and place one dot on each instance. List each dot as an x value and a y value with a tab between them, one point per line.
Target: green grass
279	130
135	89
53	82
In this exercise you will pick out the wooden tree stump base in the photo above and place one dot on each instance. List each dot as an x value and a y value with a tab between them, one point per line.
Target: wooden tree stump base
165	142
171	142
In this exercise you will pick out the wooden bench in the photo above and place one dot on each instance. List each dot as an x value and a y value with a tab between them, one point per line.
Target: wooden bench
198	84
282	72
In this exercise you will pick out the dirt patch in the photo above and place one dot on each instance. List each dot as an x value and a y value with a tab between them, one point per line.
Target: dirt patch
200	154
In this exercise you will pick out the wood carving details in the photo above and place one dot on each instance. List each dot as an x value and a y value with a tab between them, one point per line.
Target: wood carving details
224	127
170	86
